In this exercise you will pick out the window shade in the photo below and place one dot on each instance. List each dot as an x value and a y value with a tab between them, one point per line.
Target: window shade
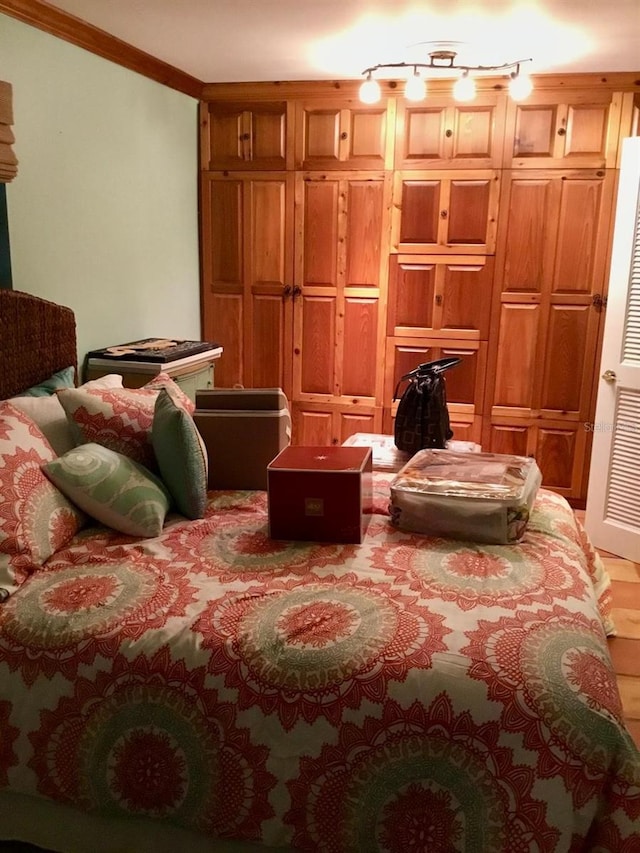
8	161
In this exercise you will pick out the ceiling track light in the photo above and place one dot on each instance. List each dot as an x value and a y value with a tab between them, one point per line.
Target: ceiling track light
464	89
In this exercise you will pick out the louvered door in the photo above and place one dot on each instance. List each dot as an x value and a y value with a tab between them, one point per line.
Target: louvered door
613	508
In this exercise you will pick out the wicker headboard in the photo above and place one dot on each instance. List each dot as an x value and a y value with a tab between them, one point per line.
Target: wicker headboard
37	338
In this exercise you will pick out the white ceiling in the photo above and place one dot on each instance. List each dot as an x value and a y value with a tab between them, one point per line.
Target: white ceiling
253	40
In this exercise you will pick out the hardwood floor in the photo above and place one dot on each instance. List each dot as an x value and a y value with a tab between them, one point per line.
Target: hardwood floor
625	647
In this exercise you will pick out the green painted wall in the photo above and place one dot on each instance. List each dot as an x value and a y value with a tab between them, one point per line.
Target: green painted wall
103	214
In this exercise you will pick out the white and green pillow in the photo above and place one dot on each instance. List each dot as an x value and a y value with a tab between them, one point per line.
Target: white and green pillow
112	488
181	455
48	414
36	520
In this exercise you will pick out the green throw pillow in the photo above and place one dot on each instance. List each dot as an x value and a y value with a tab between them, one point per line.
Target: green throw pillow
111	488
181	455
62	379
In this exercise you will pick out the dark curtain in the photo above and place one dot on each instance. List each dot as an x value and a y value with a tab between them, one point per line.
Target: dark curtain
5	254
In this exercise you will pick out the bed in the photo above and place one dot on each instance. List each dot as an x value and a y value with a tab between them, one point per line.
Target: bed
209	689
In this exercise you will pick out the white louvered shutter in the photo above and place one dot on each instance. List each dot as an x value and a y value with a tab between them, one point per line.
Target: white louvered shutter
613	500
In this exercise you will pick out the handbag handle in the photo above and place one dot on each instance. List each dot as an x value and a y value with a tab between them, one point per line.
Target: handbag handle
427	368
433	367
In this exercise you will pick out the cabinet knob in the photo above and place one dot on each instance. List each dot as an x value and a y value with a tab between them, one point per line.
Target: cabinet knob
599	302
448	132
438	299
444	214
344	134
609	376
562	131
286	291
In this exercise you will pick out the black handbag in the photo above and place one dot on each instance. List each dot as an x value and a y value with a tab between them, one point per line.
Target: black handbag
422	417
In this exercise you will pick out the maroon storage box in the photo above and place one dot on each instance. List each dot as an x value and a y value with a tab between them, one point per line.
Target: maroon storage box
320	494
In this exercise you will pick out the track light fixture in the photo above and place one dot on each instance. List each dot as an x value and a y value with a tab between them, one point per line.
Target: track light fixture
464	89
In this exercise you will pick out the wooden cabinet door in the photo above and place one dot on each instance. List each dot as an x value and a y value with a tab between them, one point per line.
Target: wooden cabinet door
559	448
344	134
341	223
247	242
246	135
575	130
440	135
325	424
551	264
440	296
445	212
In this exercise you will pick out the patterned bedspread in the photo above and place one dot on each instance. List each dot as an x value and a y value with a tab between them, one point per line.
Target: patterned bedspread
406	694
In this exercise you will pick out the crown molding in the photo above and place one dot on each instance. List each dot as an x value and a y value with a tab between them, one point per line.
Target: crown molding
54	21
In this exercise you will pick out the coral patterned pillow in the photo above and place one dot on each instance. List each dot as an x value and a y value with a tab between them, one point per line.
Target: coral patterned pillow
36	520
119	418
163	380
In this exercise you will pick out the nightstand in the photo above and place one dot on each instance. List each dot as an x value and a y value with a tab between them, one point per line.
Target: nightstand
189	363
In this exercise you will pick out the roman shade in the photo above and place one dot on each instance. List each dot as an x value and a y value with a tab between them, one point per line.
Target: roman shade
8	160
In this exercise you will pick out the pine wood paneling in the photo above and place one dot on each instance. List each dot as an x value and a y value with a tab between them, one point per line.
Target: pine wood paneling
312	428
365	209
249	221
224	324
318	333
445	212
393	268
563	379
344	134
555	454
318	424
583	219
360	347
267	341
439	134
338	327
412	287
247	136
466	297
517	353
469	211
508	438
320	236
420	206
571	129
528	252
440	296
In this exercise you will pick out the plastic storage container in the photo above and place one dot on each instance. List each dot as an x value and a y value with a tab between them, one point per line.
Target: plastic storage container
479	497
243	430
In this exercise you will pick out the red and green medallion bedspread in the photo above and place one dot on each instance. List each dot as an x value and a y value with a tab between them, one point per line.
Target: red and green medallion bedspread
407	694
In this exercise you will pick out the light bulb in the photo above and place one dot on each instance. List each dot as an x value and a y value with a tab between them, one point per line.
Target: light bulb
415	88
520	86
370	91
464	89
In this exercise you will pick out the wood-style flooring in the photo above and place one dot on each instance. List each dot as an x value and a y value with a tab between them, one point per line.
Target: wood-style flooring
625	646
